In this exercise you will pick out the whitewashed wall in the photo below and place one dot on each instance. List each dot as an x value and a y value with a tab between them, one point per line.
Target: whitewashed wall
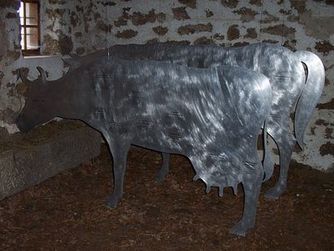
83	26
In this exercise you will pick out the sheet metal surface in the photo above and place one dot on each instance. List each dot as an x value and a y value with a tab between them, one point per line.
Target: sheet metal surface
212	116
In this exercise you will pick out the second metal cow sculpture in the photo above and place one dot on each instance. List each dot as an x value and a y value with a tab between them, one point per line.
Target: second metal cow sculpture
212	116
284	69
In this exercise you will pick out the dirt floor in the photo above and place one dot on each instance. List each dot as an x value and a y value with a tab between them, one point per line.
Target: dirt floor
68	212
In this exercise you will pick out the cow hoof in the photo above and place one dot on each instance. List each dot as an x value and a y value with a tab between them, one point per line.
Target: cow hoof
273	193
112	202
160	177
239	229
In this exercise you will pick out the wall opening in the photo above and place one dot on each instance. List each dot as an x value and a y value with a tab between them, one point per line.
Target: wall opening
30	27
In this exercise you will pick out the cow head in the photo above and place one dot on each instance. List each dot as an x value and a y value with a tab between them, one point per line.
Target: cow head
34	112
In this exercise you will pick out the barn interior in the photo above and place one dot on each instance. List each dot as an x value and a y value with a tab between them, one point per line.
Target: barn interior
54	179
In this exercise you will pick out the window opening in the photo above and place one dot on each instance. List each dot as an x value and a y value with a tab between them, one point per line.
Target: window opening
30	27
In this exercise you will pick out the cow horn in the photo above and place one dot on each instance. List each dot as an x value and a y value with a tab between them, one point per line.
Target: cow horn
42	74
23	73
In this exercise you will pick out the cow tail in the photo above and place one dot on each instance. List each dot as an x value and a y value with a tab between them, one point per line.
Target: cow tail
311	92
268	163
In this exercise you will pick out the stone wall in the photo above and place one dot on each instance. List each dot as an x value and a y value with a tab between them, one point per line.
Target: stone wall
83	26
9	52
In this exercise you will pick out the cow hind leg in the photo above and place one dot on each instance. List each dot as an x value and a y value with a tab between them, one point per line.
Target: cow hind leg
161	175
119	149
268	163
252	187
285	143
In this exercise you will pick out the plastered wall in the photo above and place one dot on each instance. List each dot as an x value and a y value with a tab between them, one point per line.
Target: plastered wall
83	26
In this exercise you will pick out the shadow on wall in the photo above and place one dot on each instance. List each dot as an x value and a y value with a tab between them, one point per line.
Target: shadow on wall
11	90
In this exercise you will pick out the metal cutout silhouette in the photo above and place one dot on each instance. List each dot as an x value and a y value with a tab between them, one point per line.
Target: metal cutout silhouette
212	116
291	87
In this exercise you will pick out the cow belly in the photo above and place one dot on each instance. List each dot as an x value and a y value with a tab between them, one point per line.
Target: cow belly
163	139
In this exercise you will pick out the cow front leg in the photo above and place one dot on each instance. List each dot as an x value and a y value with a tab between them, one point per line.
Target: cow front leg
252	189
161	175
119	150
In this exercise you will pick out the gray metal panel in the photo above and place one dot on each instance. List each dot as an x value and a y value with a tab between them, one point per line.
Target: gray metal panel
212	116
284	70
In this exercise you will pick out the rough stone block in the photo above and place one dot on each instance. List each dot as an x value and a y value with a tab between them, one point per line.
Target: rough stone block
27	160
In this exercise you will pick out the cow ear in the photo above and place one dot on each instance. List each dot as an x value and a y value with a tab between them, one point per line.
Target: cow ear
42	74
23	89
23	74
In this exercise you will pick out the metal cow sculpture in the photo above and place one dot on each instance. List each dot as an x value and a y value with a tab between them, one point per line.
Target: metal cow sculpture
212	116
283	67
